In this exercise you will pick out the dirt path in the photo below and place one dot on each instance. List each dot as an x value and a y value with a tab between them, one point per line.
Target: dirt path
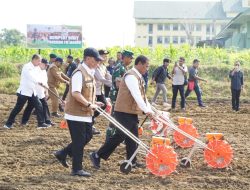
26	161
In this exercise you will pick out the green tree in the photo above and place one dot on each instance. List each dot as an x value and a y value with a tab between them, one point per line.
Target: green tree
11	37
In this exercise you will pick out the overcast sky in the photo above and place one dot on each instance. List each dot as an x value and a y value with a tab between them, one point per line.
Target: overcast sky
105	23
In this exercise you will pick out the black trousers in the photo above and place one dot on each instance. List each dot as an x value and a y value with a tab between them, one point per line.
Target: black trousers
65	92
81	134
106	91
21	100
235	99
28	110
130	122
100	98
175	89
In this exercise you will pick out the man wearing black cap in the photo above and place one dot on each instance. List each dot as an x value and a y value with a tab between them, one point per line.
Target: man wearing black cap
42	94
69	70
102	78
55	77
27	92
79	111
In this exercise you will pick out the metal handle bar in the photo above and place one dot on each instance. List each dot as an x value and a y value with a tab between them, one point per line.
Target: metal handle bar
124	130
168	122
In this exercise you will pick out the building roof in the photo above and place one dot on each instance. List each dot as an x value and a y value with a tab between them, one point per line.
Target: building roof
178	10
234	24
232	6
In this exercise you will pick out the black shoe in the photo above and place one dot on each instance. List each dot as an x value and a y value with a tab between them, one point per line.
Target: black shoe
25	124
138	165
42	126
61	158
51	123
202	106
81	173
95	161
55	114
95	131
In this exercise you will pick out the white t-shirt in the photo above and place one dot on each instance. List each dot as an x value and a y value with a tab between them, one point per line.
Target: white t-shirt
77	87
44	80
178	78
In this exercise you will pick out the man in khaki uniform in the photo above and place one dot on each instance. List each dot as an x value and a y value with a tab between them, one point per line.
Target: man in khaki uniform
55	77
131	102
79	107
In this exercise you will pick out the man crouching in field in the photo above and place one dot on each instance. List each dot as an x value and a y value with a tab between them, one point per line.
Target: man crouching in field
131	102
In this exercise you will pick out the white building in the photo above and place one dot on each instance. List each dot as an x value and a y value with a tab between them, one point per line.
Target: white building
177	22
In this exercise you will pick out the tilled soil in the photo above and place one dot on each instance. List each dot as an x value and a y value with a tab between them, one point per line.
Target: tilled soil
26	160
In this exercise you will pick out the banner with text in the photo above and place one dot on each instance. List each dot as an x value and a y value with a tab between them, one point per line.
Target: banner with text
54	36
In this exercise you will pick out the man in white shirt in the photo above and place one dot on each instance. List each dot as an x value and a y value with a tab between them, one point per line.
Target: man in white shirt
27	92
42	94
79	107
131	102
179	76
102	77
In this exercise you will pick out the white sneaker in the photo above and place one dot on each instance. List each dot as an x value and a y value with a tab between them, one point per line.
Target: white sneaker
7	127
166	104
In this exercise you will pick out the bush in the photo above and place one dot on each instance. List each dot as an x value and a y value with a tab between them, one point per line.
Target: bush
7	70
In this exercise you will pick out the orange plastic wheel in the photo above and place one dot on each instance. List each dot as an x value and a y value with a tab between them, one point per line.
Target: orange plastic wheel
163	162
220	155
182	140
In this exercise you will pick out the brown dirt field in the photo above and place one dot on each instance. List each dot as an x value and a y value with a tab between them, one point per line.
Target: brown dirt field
27	161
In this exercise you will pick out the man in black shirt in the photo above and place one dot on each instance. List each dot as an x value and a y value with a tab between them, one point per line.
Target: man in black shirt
159	76
236	76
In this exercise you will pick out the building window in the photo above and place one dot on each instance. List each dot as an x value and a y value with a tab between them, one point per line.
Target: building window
144	36
159	39
207	38
150	41
208	28
139	24
183	39
138	36
198	27
175	39
175	27
191	27
160	27
166	40
213	29
166	26
182	27
150	28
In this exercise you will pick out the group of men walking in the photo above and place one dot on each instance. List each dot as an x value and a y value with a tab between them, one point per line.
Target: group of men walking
180	77
87	86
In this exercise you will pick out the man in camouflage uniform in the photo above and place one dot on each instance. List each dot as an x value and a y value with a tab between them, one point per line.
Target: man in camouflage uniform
120	68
